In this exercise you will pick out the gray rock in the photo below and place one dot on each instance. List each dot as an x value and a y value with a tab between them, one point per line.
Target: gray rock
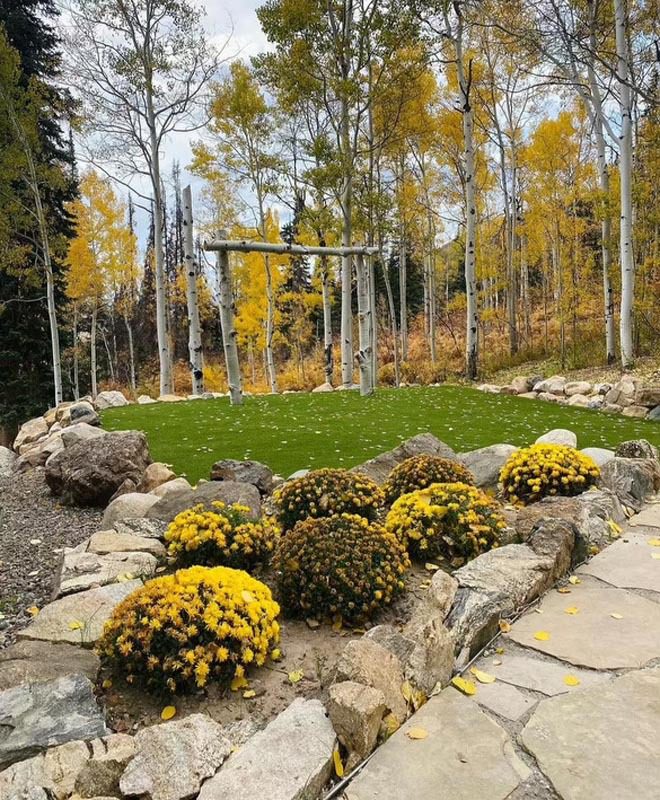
356	712
522	384
155	475
36	716
299	473
173	759
621	394
473	621
110	399
637	448
637	412
558	436
82	411
7	461
554	539
35	661
324	387
654	414
146	528
78	618
47	776
599	455
633	480
486	463
128	506
577	387
391	639
83	570
103	542
291	759
144	400
88	473
30	431
81	432
230	469
554	385
582	401
99	776
365	661
431	661
379	468
171	488
602	388
205	494
648	396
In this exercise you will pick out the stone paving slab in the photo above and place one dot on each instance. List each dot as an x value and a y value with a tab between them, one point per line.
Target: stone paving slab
546	677
504	699
465	756
648	517
627	564
592	637
601	744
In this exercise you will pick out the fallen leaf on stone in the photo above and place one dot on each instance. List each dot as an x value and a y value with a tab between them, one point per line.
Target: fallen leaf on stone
572	610
417	733
339	767
574	580
32	611
654	542
497	662
542	636
656	556
407	691
482	677
614	615
249	693
125	576
571	680
76	625
389	725
107	683
564	590
499	651
168	712
463	685
296	676
505	626
431	567
614	528
276	654
238	683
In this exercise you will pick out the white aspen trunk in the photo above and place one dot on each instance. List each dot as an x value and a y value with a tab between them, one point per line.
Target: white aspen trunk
228	330
194	328
92	350
625	172
392	312
346	207
327	322
432	309
76	366
131	352
403	289
108	354
364	354
270	326
373	327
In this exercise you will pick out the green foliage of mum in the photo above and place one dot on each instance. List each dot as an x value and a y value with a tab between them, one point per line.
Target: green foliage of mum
544	470
448	520
324	492
340	567
418	472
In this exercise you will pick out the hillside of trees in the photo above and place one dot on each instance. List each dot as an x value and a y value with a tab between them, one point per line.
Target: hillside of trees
502	159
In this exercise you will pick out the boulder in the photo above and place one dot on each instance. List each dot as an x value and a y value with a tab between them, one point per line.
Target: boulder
648	396
622	393
147	528
554	539
81	432
7	461
35	661
155	475
128	486
78	618
82	570
356	712
88	473
581	401
654	414
611	408
324	387
171	488
299	473
82	411
521	384
393	640
47	776
170	398
365	661
637	412
558	436
30	431
549	398
379	468
111	541
602	388
35	716
508	389
489	388
554	385
431	660
472	622
291	759
38	453
637	448
205	494
131	505
144	400
436	602
633	480
110	399
173	759
577	387
486	463
599	455
230	469
529	395
99	775
596	402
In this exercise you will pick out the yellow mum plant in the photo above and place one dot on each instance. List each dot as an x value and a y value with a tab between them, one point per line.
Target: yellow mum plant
419	472
225	535
339	567
547	469
452	520
324	492
179	632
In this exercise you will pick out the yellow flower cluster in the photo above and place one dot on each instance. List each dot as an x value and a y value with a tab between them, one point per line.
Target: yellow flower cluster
226	535
341	567
181	631
452	520
419	472
547	469
324	492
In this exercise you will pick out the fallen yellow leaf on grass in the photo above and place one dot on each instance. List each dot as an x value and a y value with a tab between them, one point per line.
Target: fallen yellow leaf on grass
574	580
542	636
168	712
417	733
482	677
238	683
463	685
505	626
571	680
572	610
654	542
614	615
339	767
249	694
296	676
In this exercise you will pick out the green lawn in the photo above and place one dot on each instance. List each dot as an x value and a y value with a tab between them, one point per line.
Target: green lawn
296	431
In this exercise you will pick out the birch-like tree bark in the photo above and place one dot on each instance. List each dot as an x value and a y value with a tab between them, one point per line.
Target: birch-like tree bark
229	335
364	355
328	360
92	349
194	328
76	367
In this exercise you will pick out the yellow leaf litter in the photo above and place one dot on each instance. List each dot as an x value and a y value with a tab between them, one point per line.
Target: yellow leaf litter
571	680
339	766
542	636
482	677
417	733
168	712
463	685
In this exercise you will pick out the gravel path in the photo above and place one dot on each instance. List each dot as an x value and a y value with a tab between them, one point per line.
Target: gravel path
34	528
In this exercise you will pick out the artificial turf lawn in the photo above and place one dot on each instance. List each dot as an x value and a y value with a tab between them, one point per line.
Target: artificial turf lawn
342	429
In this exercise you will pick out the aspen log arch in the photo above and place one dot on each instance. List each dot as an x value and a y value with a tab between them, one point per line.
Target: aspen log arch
366	315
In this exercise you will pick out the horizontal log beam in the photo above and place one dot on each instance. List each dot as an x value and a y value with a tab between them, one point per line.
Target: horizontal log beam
247	246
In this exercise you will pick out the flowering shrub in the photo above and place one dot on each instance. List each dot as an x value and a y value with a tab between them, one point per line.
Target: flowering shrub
202	624
324	492
224	536
546	469
419	472
453	520
340	567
